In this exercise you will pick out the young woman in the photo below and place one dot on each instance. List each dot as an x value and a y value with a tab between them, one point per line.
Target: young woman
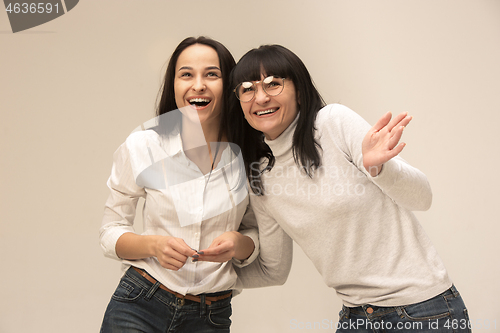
338	188
190	179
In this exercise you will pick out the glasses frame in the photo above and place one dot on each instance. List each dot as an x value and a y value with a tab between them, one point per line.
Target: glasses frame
254	84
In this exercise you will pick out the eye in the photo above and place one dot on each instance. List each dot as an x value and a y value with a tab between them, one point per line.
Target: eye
244	90
246	87
213	74
276	83
185	74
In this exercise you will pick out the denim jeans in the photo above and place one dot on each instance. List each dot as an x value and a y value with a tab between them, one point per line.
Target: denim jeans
444	313
139	306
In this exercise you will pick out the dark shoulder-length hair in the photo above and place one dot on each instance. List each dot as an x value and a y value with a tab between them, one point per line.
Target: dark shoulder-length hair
167	94
278	61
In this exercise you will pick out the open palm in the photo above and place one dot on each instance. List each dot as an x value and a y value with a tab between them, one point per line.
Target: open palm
381	143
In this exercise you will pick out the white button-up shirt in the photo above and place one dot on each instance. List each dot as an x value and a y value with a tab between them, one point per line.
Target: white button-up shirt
180	201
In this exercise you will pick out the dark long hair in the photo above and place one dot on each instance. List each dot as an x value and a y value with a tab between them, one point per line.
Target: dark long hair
167	99
278	61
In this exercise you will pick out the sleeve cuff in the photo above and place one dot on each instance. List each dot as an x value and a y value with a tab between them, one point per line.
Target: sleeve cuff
109	239
387	176
254	235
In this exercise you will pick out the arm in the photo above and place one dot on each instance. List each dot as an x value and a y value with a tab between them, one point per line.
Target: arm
171	252
274	261
404	184
117	236
120	207
408	187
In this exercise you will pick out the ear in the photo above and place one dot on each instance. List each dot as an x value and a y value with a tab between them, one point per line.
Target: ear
298	98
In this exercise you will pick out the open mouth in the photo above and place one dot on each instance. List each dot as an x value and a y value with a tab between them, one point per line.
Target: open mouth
266	112
199	102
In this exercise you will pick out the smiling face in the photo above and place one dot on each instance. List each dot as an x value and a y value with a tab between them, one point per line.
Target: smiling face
271	114
198	83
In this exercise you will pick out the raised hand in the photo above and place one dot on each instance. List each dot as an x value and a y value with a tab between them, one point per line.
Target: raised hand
381	143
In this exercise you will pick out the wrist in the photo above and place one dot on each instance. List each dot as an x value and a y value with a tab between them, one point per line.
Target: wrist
153	244
244	247
374	170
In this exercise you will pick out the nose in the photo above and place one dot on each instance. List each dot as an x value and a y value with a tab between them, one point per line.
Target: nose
260	96
199	85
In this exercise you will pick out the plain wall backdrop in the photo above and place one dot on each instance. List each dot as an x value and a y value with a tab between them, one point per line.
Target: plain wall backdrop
72	90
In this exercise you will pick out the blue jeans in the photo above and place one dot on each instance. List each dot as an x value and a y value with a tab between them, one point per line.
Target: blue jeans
139	306
444	313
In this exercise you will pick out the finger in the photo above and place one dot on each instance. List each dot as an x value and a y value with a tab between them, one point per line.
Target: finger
222	257
395	152
406	121
181	247
216	249
402	123
174	252
219	253
396	120
396	136
382	122
171	263
172	267
173	257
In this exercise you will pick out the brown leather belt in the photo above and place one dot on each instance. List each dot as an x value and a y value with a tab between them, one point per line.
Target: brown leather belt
208	299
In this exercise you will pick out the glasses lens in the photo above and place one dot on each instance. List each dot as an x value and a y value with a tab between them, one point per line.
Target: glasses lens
273	86
245	91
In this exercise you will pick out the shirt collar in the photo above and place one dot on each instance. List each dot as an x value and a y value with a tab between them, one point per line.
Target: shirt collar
172	143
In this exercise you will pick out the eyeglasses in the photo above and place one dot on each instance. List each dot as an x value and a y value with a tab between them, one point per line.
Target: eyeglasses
272	86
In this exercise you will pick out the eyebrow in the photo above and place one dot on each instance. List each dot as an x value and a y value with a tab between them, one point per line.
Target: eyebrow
191	68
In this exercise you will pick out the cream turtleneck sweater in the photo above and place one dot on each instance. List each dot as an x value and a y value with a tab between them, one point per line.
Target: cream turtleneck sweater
358	230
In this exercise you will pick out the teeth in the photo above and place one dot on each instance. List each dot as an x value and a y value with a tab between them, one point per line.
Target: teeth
199	100
260	113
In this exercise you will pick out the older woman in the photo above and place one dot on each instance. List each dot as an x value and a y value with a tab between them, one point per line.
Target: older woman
338	188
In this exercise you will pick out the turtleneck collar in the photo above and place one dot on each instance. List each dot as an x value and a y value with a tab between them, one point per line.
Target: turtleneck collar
282	145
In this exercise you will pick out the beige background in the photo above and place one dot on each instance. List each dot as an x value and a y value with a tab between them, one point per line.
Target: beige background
72	89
